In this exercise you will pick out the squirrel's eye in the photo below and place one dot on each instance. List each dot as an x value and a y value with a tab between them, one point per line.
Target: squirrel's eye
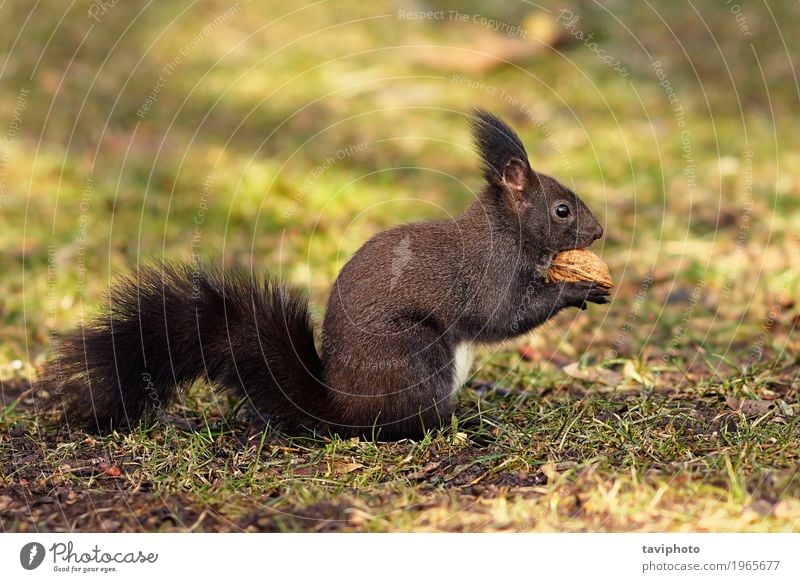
562	211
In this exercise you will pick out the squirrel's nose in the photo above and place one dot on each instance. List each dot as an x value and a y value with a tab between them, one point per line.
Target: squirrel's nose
598	231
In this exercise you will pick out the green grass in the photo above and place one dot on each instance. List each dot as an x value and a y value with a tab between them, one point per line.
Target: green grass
238	159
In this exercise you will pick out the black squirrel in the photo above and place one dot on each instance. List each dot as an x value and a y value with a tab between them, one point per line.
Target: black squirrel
396	340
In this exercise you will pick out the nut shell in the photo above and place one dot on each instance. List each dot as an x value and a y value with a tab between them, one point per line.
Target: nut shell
579	265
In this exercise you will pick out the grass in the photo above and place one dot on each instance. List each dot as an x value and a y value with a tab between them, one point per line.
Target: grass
674	409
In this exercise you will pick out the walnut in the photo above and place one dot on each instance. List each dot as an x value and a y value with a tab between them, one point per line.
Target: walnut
579	265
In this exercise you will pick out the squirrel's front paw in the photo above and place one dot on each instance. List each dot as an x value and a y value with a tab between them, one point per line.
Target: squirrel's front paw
579	293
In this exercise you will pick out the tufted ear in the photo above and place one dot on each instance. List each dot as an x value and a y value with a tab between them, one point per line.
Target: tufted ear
505	162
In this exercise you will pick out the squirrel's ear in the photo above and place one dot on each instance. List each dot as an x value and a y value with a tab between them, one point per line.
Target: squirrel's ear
505	162
516	176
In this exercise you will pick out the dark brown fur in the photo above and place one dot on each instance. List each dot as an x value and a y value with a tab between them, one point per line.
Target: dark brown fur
396	314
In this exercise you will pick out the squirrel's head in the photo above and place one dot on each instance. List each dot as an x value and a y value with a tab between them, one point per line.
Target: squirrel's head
548	216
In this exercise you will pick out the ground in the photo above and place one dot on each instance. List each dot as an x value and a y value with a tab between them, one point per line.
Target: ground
281	138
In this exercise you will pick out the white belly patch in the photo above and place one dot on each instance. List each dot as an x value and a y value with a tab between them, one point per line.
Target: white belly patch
462	363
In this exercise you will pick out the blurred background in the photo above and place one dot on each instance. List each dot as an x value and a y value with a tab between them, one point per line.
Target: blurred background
282	135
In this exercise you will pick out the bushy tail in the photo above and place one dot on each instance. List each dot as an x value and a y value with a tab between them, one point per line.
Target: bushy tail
172	324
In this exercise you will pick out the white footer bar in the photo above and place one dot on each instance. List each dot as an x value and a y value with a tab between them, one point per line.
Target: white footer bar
406	557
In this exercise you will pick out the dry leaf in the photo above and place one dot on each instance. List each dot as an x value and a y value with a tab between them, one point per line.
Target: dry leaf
626	385
631	371
425	471
786	409
343	468
749	407
596	374
110	470
532	353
